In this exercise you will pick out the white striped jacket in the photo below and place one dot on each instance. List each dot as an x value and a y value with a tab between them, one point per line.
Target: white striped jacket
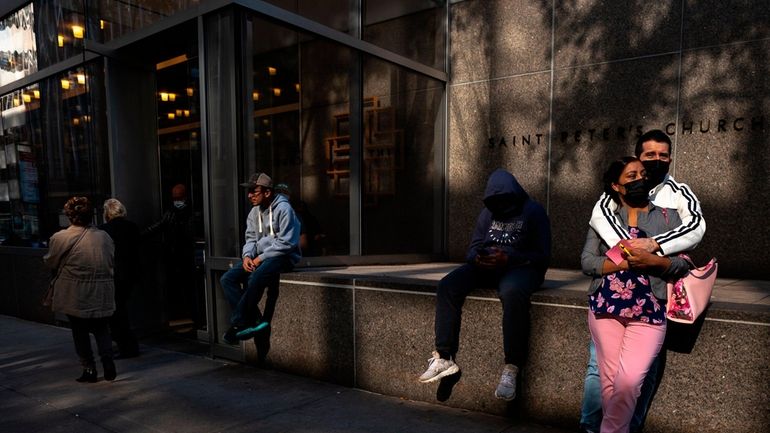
668	194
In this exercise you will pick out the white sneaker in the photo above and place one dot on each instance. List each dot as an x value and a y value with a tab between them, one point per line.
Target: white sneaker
506	389
438	368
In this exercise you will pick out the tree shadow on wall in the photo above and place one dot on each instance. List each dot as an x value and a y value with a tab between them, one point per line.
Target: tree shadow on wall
620	69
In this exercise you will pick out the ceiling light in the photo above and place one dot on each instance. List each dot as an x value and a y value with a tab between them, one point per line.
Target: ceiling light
77	31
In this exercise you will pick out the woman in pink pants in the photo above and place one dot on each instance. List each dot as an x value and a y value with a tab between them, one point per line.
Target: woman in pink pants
627	299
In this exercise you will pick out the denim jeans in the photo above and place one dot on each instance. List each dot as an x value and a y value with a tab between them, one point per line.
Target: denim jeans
591	411
514	287
243	290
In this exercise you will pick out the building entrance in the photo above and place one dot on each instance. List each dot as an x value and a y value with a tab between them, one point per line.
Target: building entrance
182	245
157	166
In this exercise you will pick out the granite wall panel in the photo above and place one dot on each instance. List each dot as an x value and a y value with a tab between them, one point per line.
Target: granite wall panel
722	385
714	22
312	333
619	70
499	38
598	112
592	31
494	124
722	151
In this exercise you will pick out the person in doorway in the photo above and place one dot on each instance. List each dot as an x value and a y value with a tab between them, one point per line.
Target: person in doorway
178	255
510	250
271	247
653	148
125	235
627	297
82	258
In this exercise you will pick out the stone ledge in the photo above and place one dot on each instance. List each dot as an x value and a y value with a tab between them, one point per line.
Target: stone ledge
372	327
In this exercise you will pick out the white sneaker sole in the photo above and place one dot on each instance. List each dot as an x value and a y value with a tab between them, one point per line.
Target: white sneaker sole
448	372
504	398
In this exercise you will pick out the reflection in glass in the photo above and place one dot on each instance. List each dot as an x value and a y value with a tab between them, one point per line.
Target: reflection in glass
110	19
412	28
60	29
297	114
53	146
331	13
18	50
401	183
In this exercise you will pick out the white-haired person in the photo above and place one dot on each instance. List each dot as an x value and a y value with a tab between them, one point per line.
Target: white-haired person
125	235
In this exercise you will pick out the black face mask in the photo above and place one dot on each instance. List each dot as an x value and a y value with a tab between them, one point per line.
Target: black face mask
503	204
656	171
637	192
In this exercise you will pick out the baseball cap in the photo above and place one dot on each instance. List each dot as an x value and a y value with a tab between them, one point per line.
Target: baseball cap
258	179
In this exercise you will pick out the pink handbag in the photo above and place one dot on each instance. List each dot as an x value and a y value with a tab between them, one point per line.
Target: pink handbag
689	297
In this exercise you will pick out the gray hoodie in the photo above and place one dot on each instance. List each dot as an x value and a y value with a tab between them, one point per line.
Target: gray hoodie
273	231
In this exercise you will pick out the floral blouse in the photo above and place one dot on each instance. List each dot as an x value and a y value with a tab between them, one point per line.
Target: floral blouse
628	294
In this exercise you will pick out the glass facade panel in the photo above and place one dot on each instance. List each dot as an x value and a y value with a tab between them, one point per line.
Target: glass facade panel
412	28
225	230
331	13
402	181
324	121
52	146
60	29
114	18
297	129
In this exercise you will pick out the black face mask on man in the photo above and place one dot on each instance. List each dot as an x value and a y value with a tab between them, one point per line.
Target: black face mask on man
637	192
656	171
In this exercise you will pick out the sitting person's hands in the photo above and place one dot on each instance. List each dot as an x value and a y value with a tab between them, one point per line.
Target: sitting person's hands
641	260
495	259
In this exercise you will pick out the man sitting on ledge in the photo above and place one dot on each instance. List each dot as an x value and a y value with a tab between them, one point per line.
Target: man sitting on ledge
510	250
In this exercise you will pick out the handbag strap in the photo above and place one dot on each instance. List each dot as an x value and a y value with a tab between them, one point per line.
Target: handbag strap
688	260
67	254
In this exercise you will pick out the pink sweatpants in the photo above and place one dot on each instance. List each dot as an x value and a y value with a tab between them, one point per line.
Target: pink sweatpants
625	350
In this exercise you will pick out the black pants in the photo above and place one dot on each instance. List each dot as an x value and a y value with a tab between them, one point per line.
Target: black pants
81	330
120	325
514	287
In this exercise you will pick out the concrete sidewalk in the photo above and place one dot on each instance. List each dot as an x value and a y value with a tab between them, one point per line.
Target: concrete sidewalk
165	391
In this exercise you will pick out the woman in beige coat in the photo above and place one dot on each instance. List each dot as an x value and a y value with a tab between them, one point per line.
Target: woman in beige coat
81	256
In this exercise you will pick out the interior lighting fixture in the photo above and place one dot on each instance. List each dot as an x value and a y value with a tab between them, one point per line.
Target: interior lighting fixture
172	97
255	95
26	97
60	39
163	96
277	91
65	83
16	102
77	31
101	24
36	94
296	87
171	116
179	113
81	78
190	91
186	113
76	121
271	70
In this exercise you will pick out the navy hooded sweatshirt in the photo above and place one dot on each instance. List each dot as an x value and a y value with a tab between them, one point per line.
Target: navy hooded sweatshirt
512	222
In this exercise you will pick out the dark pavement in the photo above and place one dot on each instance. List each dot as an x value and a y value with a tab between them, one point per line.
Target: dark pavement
171	391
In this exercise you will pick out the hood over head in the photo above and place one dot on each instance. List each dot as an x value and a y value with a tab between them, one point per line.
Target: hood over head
504	195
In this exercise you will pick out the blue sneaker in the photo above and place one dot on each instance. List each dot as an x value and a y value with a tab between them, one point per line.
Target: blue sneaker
250	332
